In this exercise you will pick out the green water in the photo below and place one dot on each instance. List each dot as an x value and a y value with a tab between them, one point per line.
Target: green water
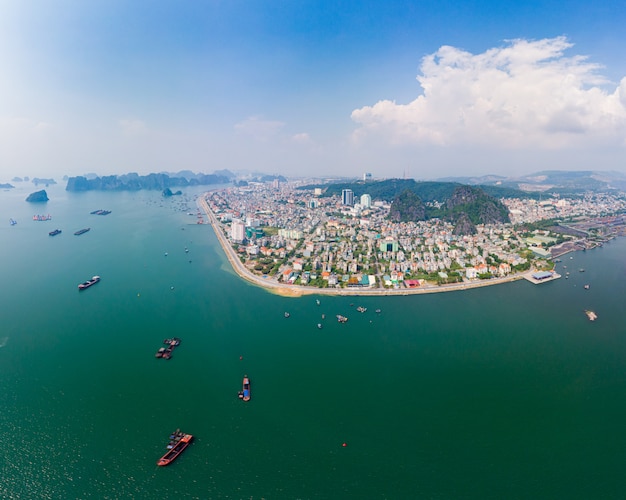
501	392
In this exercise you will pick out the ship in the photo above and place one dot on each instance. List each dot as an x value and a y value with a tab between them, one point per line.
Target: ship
591	315
100	212
12	222
178	442
42	217
55	232
341	319
88	283
244	394
82	231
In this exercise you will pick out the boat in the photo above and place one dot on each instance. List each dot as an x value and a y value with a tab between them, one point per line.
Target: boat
245	392
170	345
55	232
88	283
100	212
581	270
287	314
319	325
341	319
361	309
317	301
178	442
586	287
12	222
42	217
82	231
591	315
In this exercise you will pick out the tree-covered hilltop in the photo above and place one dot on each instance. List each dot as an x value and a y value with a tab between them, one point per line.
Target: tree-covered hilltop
135	182
428	191
466	207
407	207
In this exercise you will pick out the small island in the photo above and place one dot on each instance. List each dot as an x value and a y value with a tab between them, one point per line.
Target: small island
38	196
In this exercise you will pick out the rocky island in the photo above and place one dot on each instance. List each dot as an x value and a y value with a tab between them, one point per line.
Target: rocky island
38	196
135	182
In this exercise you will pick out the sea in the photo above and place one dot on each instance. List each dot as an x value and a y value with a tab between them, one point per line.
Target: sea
506	391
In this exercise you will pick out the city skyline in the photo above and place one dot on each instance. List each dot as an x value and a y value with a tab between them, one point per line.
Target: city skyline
403	89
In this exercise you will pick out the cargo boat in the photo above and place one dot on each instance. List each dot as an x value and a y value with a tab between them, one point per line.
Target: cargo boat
87	284
178	442
55	232
245	393
82	231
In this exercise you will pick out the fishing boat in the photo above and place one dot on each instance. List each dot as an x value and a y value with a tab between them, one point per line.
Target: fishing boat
244	394
12	222
178	443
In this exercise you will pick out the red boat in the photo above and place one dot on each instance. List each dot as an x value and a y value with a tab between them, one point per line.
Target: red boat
178	442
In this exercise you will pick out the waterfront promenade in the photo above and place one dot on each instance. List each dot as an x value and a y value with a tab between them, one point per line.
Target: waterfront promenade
288	290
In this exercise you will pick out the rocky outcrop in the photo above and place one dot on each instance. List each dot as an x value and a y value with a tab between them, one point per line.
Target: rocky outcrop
464	226
406	207
38	196
479	207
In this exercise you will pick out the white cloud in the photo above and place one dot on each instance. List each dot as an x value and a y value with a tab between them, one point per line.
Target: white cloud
302	138
525	94
258	128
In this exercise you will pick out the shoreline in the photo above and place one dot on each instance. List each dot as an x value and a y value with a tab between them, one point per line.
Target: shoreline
285	290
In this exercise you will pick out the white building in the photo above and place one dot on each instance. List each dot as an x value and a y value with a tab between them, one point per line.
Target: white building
238	231
366	201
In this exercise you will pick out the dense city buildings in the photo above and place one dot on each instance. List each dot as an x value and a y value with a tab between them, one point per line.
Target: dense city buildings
299	237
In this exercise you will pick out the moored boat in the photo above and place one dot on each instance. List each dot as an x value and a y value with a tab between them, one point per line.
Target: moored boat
178	442
55	232
88	283
82	231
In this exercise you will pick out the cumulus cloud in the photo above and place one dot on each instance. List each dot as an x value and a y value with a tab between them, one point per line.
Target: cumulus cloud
524	94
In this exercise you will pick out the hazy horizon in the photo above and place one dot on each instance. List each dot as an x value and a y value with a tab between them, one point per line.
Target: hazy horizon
399	89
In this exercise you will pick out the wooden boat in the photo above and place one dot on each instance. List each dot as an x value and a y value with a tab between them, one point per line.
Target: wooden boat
178	442
245	393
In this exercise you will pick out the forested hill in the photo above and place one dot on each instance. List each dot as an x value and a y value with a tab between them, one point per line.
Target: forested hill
135	182
428	191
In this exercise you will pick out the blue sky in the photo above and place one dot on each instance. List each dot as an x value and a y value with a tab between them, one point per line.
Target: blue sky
396	88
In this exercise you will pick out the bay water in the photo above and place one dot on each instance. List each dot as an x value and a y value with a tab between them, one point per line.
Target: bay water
506	391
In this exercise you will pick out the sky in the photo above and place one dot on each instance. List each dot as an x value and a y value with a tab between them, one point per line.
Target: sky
312	88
